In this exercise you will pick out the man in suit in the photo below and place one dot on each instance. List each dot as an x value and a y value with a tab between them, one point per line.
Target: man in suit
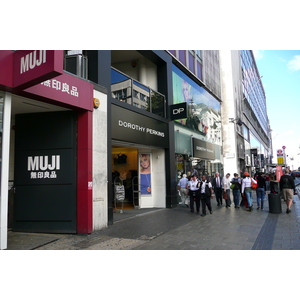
217	187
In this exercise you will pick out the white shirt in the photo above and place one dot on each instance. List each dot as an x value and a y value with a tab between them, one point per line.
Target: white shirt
226	183
203	186
247	183
193	185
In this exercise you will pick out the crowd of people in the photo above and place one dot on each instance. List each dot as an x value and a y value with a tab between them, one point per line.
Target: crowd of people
196	192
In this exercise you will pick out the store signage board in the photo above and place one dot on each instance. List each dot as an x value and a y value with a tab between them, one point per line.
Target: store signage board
133	127
34	66
280	160
66	88
204	149
178	111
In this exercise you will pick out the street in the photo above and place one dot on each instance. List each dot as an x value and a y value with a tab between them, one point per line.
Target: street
175	229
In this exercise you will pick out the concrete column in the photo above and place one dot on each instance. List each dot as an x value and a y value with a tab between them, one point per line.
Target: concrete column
142	71
5	170
228	111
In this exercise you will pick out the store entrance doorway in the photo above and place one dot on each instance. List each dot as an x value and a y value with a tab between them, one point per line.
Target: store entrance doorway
45	172
125	178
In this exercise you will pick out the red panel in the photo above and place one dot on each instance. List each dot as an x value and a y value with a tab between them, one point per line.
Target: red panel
6	68
34	66
66	88
84	173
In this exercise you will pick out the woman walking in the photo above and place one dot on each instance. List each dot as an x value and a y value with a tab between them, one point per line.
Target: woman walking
260	191
247	189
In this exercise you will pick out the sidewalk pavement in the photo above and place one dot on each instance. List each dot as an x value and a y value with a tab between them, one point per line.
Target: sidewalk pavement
175	229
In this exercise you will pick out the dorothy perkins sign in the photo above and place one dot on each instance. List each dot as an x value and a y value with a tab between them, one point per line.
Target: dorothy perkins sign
132	127
203	149
140	128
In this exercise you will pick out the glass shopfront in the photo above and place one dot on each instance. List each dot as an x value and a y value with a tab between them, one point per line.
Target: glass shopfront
198	138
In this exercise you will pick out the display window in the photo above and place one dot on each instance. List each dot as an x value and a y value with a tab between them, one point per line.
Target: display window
145	173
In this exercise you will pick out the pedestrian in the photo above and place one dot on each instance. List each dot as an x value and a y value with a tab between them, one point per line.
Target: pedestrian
226	188
273	185
267	177
217	187
205	195
182	187
287	185
193	187
260	191
247	189
244	202
236	189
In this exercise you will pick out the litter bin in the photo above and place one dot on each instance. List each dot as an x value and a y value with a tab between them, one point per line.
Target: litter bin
274	203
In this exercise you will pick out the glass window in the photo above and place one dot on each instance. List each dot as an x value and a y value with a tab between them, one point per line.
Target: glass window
182	56
199	69
202	106
172	52
76	63
135	94
191	62
144	98
199	54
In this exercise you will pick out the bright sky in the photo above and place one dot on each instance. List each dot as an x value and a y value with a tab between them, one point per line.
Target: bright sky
281	80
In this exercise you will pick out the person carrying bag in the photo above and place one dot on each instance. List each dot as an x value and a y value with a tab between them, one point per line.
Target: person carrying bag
236	189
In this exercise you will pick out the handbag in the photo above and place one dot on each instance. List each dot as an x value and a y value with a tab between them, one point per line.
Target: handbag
225	196
253	185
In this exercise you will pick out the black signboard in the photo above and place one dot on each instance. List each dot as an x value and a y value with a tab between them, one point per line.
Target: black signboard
178	111
45	172
132	127
203	149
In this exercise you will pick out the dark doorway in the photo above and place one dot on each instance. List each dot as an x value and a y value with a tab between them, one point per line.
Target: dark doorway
45	172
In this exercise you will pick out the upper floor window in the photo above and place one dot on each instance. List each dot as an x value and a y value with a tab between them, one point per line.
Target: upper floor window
130	91
191	59
76	62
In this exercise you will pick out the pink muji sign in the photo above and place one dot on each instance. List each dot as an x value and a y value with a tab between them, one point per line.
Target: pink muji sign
34	66
67	89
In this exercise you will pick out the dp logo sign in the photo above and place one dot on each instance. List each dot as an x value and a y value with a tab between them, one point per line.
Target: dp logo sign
178	111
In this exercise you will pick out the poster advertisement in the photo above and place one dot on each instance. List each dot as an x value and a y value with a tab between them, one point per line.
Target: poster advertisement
145	173
204	110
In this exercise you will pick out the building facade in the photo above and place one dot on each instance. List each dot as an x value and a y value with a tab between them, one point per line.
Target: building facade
88	133
46	145
198	137
246	132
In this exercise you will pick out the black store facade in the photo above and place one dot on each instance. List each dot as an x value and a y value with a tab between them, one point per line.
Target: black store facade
137	131
138	158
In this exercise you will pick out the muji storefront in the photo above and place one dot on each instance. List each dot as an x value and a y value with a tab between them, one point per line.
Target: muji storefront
46	145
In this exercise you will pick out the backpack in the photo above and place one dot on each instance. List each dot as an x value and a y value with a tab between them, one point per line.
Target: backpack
237	185
286	184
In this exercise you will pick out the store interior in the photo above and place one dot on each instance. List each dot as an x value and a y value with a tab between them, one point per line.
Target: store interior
125	173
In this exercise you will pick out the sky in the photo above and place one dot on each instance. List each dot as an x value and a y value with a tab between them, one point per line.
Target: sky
281	80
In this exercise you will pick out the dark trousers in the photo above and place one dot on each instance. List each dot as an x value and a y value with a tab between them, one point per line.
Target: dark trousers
218	193
228	200
195	199
205	201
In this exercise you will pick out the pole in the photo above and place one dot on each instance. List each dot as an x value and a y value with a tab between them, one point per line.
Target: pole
5	170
